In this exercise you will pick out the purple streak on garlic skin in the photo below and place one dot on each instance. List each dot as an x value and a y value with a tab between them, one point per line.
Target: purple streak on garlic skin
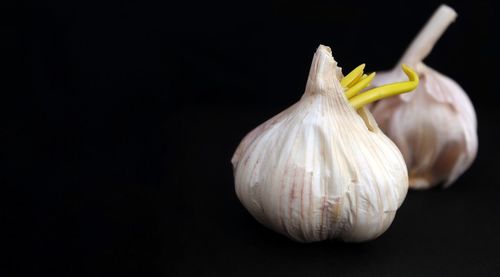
321	170
435	126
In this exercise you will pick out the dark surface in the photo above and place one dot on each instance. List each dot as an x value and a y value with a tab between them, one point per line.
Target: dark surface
124	118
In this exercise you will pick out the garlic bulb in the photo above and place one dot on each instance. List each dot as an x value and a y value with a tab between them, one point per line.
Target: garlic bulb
434	126
322	169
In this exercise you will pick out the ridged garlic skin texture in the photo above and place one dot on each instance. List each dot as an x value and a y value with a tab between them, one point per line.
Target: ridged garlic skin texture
321	170
435	128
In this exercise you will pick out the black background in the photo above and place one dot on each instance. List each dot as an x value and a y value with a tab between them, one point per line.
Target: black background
119	126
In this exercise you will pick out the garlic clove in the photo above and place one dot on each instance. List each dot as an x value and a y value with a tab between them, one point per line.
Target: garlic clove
321	169
435	126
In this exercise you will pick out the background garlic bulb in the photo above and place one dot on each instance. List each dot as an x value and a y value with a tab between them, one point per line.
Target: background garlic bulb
320	169
434	126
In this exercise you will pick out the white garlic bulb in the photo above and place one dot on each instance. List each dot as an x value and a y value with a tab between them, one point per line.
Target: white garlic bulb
320	169
434	126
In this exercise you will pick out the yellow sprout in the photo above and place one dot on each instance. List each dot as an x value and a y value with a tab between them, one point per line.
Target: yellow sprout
355	81
357	87
353	76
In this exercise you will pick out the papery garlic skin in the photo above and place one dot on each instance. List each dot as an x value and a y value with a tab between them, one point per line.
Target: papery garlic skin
321	170
435	126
